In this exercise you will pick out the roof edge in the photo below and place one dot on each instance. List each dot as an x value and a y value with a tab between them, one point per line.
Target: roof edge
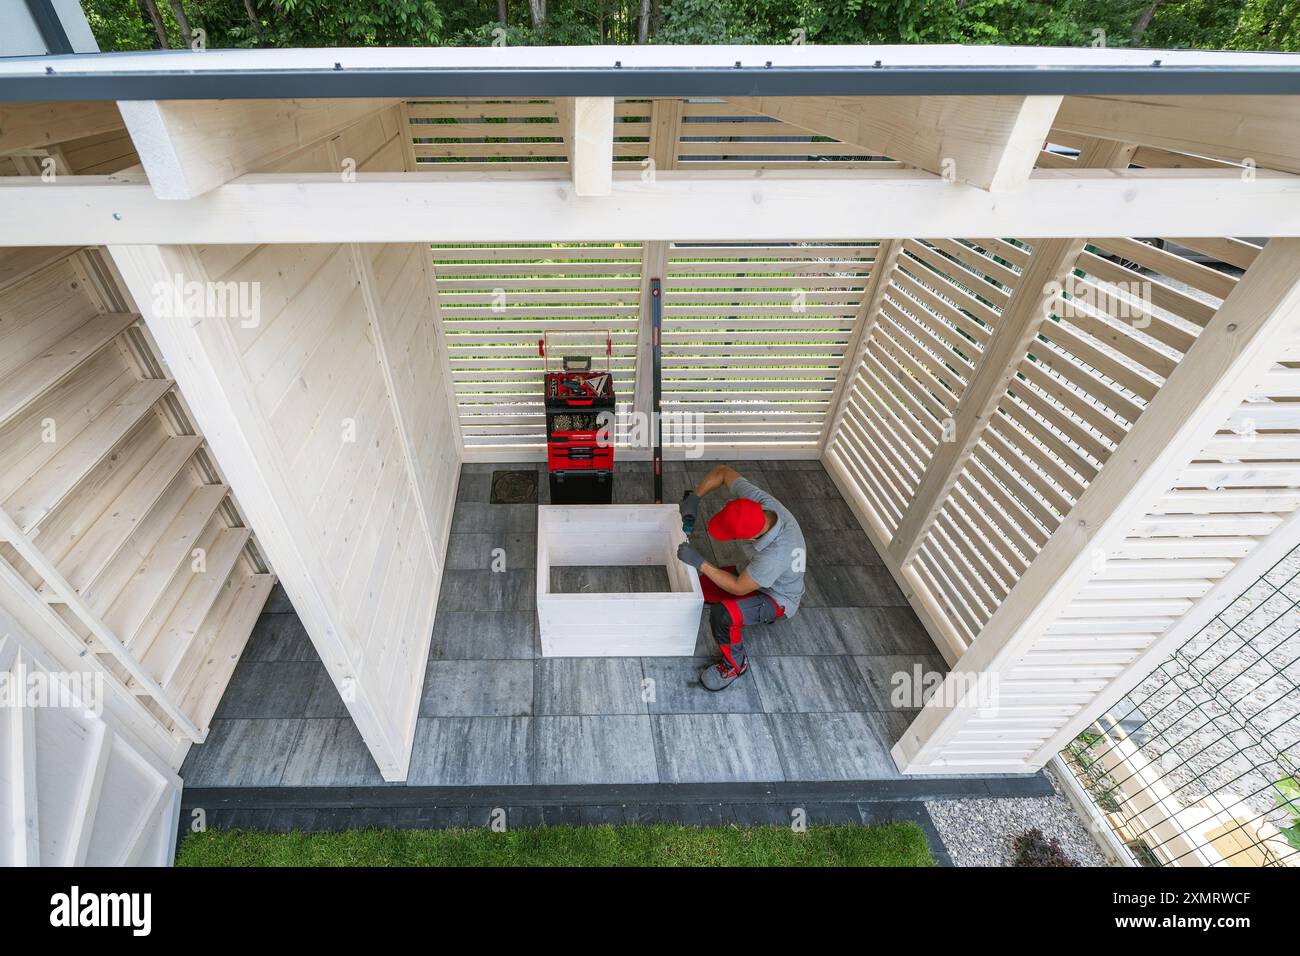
62	81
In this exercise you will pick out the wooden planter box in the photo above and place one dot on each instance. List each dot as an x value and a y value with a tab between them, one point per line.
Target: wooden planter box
657	624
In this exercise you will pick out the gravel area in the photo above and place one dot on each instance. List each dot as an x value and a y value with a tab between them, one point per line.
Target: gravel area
983	832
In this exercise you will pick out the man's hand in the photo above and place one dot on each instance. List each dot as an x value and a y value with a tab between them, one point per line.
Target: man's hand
688	555
689	506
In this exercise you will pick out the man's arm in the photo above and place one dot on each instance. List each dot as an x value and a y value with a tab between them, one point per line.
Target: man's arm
719	476
738	585
730	583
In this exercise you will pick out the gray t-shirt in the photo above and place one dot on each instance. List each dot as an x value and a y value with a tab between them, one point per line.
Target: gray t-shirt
777	559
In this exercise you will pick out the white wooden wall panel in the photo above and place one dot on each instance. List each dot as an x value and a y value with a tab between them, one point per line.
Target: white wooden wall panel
1098	359
308	389
72	790
329	416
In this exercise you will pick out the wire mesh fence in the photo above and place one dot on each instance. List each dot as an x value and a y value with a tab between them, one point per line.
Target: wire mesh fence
1199	765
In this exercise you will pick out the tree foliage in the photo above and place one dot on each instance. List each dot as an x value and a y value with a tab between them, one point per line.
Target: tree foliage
1205	24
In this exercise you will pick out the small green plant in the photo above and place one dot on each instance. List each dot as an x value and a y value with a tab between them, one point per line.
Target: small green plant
1287	795
1034	849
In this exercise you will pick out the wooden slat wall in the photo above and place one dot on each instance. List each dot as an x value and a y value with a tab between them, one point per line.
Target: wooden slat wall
753	340
1099	357
719	135
510	135
1237	492
469	135
753	337
1094	366
497	301
114	515
938	305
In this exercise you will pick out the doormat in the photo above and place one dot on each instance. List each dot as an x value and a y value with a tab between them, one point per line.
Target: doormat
514	488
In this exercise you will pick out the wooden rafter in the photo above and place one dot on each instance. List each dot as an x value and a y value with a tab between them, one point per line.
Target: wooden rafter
1263	130
42	125
987	141
190	147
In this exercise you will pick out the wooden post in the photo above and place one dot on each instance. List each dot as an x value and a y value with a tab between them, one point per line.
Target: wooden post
587	123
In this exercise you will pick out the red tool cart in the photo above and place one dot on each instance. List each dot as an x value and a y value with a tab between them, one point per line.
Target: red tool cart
579	395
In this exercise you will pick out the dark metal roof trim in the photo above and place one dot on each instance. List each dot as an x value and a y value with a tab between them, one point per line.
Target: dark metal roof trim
651	82
49	26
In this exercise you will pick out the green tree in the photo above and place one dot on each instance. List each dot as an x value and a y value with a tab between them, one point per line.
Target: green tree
1214	24
1268	25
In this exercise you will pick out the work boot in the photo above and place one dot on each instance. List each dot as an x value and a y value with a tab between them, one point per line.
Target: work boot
721	675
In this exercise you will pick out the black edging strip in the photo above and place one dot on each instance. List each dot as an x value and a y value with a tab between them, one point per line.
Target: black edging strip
398	795
52	84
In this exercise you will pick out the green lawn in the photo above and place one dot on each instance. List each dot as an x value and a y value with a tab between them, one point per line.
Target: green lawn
889	844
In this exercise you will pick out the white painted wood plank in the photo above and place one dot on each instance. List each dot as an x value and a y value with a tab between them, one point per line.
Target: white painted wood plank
676	205
24	795
88	795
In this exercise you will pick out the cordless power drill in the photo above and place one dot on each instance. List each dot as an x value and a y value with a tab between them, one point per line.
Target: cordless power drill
689	510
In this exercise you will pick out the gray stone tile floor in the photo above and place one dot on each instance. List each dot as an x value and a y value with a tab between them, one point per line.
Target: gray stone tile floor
817	704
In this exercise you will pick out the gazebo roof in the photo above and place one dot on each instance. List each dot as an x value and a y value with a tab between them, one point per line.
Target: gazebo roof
796	69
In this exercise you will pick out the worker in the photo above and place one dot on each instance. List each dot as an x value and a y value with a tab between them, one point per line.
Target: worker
770	585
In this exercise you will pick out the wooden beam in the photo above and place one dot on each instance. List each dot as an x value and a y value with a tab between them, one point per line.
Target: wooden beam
1017	328
1263	129
991	142
41	125
676	206
587	123
1229	359
189	147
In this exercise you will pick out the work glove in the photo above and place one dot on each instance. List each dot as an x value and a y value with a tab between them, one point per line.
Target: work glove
689	506
688	555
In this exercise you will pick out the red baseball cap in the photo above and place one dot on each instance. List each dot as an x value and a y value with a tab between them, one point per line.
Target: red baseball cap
739	518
